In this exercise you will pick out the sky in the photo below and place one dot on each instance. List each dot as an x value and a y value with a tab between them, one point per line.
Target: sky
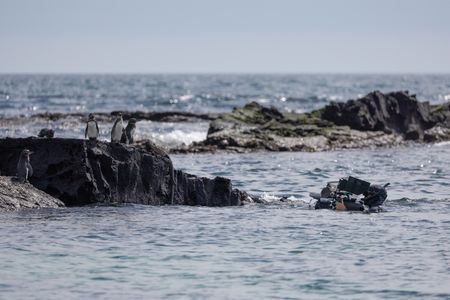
228	36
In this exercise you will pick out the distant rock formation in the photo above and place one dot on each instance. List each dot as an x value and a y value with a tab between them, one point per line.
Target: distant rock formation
80	172
164	116
396	112
46	133
376	120
15	195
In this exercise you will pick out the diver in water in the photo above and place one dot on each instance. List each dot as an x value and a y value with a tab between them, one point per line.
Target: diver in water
346	195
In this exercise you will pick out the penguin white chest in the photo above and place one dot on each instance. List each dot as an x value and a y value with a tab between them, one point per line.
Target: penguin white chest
92	131
117	131
132	131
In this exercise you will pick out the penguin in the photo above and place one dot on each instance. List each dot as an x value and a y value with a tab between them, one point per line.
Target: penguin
91	128
128	135
124	138
24	169
117	130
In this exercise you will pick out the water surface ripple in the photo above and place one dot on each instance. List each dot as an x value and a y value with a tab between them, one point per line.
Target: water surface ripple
274	251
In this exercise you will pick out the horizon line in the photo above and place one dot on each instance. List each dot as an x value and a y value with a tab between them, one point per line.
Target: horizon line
225	73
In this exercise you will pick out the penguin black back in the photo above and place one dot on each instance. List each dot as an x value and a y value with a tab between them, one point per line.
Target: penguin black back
24	169
128	136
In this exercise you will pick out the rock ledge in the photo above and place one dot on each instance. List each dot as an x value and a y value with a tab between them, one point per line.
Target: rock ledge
79	172
375	120
15	195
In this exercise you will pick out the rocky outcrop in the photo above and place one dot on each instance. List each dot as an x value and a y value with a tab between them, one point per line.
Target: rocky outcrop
80	172
164	116
46	133
440	115
396	112
15	195
376	120
437	134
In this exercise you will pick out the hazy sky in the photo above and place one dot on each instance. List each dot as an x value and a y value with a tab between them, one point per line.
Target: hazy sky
250	36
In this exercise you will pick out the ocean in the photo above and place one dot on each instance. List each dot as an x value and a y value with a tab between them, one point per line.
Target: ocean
271	251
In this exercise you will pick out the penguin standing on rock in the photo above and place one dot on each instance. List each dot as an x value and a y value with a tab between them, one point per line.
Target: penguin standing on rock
128	135
117	129
24	169
91	128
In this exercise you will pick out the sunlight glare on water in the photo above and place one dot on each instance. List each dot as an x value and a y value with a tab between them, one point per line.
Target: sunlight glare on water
274	251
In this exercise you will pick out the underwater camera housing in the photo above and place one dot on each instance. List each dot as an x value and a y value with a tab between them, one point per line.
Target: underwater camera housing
351	194
353	185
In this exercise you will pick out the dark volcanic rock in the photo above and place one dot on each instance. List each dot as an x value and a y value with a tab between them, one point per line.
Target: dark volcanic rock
254	113
165	116
376	120
437	134
440	115
80	172
46	133
15	195
396	112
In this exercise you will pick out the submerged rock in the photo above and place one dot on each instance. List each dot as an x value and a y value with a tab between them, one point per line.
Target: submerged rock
376	120
80	172
15	195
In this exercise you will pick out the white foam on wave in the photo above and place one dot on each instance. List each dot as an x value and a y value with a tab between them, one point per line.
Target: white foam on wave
171	134
163	134
176	137
270	197
335	98
444	98
185	97
263	100
442	144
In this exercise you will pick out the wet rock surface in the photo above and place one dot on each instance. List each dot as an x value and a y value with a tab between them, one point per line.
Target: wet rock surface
437	134
165	116
15	195
376	120
397	112
70	120
46	133
80	172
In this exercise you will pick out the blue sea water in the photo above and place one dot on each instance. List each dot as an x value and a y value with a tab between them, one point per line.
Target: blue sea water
28	94
274	251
